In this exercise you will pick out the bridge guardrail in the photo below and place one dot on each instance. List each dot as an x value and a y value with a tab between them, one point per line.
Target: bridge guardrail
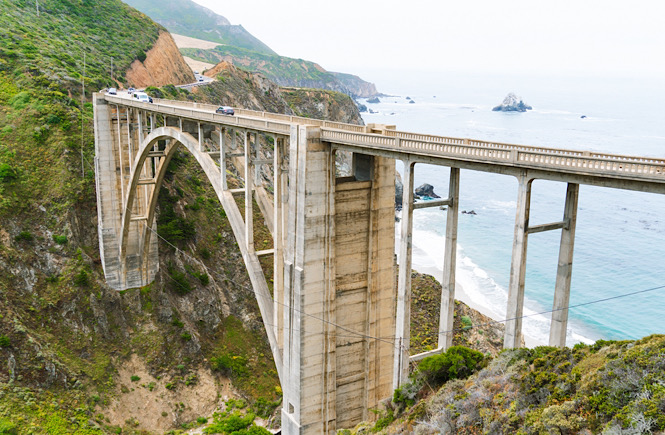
201	114
488	152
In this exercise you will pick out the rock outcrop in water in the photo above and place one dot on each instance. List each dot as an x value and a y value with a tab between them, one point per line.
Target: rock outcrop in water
512	103
426	190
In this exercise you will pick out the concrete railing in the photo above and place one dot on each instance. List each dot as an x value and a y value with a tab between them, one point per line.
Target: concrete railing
584	162
203	112
515	155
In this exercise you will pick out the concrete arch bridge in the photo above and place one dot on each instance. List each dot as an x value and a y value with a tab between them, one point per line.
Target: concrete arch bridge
338	325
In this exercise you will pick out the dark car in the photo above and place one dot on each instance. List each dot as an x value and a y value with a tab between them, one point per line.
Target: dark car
225	110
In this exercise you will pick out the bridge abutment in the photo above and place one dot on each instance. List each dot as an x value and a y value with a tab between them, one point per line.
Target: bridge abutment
117	134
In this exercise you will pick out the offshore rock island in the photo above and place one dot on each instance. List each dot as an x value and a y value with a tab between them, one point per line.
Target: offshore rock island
512	103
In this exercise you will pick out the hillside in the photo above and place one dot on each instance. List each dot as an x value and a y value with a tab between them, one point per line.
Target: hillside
285	71
609	388
78	356
185	17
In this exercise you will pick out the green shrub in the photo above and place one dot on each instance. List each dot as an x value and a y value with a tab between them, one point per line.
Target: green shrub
384	421
179	280
265	407
60	240
186	336
205	253
203	278
201	420
405	395
7	173
230	365
177	323
25	236
236	423
135	378
456	363
81	279
4	342
466	323
20	100
7	427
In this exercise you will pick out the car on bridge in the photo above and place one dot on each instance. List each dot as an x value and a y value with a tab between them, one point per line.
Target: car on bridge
112	91
225	110
142	97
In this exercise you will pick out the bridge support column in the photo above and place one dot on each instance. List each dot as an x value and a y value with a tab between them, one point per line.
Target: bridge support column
249	190
449	263
338	289
222	156
279	201
309	295
564	269
513	331
403	318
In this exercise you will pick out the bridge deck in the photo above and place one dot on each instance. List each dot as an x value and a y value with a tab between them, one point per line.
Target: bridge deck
583	167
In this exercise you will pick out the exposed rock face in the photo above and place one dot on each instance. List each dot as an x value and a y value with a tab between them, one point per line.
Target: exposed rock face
512	103
323	104
374	100
163	65
426	190
355	86
239	88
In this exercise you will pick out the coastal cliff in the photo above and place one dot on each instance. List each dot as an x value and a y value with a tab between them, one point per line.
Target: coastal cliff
322	104
355	86
162	65
284	71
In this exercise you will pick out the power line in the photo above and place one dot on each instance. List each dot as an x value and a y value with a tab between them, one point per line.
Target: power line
390	340
495	322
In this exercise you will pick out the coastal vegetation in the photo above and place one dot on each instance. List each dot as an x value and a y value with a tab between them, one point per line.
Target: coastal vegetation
610	387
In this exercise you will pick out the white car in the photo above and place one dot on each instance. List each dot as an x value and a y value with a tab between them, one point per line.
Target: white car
142	97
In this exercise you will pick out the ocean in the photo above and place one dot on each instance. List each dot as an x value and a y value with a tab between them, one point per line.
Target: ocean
620	235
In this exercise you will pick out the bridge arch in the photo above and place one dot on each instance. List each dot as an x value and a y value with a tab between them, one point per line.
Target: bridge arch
175	138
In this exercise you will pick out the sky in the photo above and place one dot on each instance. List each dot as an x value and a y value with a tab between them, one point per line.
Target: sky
606	37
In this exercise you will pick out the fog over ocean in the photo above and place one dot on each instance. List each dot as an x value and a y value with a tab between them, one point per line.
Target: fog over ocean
620	236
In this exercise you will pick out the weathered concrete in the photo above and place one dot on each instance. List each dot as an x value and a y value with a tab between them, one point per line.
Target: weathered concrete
447	313
564	269
403	321
513	331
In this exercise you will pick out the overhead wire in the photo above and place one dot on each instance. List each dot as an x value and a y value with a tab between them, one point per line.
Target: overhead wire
391	339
